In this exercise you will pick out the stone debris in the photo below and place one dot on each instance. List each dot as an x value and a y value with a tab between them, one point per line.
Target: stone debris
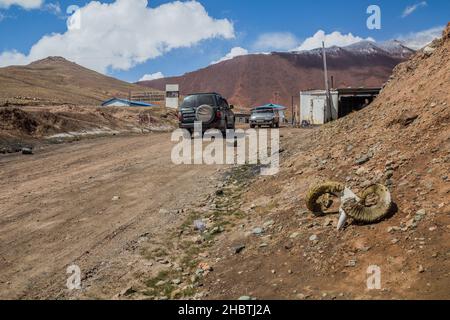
257	231
238	249
27	151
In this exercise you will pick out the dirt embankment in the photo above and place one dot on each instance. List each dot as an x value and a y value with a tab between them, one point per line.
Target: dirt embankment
29	126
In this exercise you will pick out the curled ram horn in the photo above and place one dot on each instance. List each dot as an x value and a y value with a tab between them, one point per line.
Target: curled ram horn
352	205
361	212
322	189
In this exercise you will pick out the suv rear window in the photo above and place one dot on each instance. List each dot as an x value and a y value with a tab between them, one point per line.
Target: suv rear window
189	102
206	99
198	100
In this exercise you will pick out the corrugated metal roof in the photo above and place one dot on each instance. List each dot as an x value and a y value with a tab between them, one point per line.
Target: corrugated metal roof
131	103
317	92
358	91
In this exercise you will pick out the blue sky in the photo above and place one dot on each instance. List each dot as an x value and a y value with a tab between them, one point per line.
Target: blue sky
249	25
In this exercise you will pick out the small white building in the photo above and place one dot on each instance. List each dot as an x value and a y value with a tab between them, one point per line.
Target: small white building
313	106
313	103
172	96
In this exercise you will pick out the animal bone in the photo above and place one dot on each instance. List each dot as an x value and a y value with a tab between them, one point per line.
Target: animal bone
347	195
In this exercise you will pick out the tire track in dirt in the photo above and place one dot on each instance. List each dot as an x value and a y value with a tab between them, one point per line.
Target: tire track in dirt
57	209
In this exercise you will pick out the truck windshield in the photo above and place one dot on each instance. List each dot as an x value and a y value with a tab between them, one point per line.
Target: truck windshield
268	110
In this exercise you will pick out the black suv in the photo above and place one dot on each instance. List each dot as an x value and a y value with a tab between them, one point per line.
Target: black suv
211	109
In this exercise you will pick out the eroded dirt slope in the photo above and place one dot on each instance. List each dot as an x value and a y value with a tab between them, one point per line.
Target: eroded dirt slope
29	126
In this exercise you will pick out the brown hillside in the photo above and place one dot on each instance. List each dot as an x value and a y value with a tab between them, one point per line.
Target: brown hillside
255	79
55	81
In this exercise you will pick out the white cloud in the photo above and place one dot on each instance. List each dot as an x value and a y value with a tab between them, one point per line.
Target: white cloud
26	4
8	58
410	9
235	52
125	33
54	8
152	76
276	41
333	39
418	40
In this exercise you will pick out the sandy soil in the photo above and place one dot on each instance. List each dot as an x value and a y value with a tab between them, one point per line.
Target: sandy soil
57	209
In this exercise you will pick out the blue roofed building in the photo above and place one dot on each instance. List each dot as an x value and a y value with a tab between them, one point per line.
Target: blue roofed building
117	102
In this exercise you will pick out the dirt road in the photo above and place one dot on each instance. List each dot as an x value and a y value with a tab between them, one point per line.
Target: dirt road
89	204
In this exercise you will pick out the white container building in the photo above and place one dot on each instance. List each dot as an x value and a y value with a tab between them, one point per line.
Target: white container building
313	105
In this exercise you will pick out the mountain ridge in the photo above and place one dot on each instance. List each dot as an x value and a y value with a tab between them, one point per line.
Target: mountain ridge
55	80
256	79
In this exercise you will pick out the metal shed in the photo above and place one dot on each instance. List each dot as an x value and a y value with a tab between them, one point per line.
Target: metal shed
313	106
355	99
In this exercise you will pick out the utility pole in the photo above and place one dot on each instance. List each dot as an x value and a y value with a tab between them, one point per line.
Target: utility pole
327	87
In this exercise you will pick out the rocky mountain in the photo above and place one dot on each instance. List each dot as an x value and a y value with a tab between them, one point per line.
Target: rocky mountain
260	78
55	80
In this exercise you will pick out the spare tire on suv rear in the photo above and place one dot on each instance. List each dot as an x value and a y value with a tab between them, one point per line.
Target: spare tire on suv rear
205	114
